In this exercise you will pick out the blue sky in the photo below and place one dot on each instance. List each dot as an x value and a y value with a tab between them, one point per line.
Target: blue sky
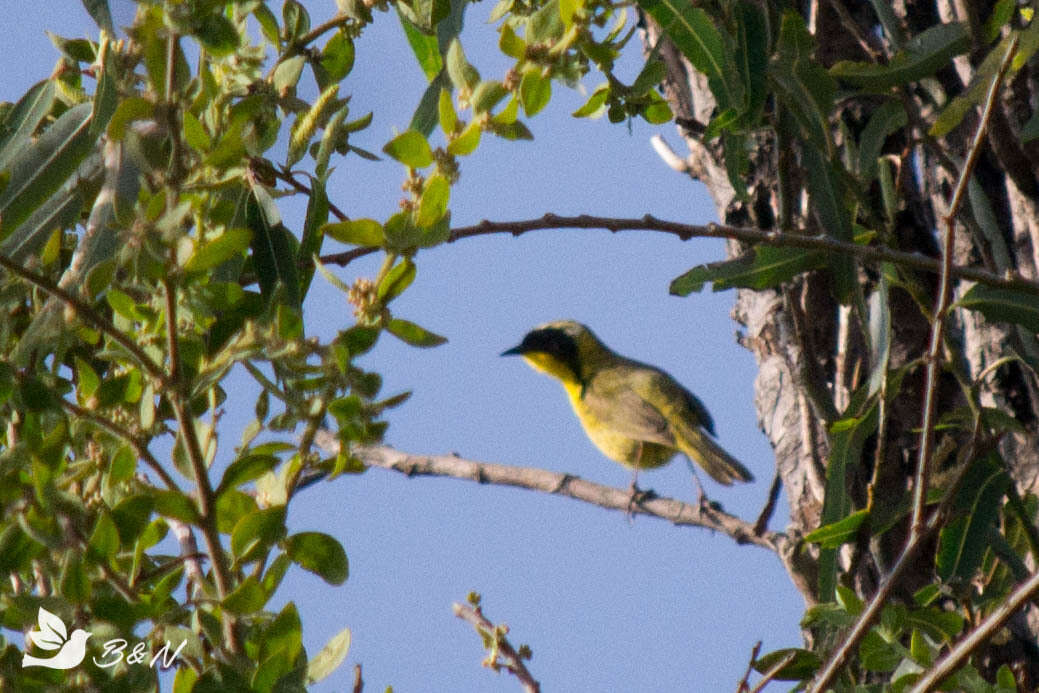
605	604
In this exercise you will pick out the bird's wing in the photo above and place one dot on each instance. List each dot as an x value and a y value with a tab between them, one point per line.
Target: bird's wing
616	402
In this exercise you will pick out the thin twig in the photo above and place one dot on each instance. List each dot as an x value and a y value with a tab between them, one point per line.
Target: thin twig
872	253
287	176
941	309
204	490
512	660
773	671
744	685
921	526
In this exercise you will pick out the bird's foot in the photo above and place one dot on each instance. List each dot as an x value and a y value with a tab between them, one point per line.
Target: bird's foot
637	497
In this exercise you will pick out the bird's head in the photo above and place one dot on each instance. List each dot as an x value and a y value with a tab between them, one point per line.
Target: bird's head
564	349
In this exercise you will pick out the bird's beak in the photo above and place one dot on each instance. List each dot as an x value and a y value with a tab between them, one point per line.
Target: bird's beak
514	351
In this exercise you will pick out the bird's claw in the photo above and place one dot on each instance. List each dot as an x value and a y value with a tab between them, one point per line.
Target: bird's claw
637	497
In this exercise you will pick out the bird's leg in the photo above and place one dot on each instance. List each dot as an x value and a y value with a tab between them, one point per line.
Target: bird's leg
638	496
701	497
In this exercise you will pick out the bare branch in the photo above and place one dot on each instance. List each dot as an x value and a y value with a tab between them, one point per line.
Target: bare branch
674	511
872	253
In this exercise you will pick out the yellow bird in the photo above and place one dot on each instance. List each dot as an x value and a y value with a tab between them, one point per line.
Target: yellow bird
635	414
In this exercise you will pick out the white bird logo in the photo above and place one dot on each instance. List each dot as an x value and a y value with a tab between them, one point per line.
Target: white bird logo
53	635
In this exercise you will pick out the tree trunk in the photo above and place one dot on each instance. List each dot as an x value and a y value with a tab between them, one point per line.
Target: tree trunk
808	347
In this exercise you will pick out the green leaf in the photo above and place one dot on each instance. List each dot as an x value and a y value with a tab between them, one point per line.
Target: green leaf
510	44
396	280
254	534
923	55
803	86
877	654
802	666
467	141
17	549
73	583
694	33
410	148
77	50
535	92
218	35
337	57
194	133
131	517
329	658
939	624
86	378
366	233
879	333
216	251
104	540
124	464
545	25
446	112
423	45
837	533
593	106
752	46
513	131
274	258
433	205
761	268
358	339
313	234
401	232
248	598
568	9
886	120
176	505
102	16
845	453
320	554
412	334
1003	305
1002	13
268	24
231	506
39	170
486	95
247	468
462	74
23	118
964	539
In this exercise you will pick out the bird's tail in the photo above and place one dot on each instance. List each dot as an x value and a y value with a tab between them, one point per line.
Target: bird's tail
712	458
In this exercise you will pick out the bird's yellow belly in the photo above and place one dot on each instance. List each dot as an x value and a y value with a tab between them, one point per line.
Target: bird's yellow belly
619	447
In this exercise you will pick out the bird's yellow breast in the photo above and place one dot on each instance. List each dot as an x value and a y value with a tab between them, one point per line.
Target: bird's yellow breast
617	446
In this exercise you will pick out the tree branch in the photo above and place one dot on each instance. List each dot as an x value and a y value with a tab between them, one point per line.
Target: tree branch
500	648
556	483
872	253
